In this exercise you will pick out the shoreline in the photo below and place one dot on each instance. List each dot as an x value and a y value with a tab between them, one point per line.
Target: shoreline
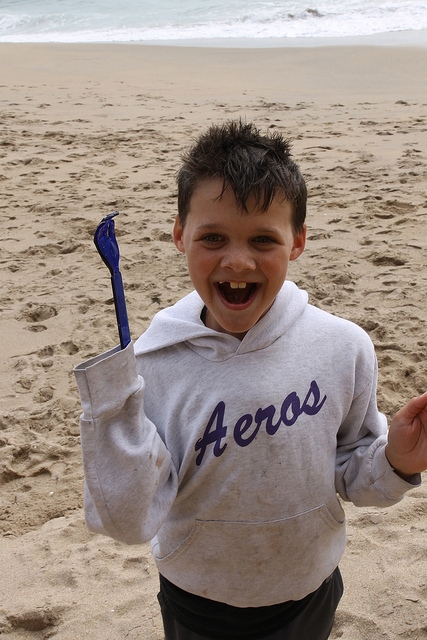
386	39
414	38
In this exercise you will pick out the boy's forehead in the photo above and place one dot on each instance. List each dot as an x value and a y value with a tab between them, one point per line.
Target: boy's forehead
213	210
210	187
217	190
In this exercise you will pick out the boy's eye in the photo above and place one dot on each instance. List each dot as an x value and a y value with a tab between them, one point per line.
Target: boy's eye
212	238
263	240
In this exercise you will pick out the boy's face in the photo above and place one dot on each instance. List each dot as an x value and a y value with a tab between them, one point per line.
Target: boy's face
237	261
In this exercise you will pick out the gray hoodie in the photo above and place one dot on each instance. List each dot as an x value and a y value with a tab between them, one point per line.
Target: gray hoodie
228	455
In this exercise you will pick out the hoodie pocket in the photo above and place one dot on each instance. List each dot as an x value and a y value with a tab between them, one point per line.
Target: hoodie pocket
276	561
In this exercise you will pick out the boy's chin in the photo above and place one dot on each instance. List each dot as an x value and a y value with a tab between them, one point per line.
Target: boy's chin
236	329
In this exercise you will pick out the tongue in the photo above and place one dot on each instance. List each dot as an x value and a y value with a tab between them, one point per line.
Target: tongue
235	296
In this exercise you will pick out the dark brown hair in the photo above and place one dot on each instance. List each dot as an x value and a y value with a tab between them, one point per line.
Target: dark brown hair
249	162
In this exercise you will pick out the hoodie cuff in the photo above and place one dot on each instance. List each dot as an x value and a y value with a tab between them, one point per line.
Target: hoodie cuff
389	482
106	381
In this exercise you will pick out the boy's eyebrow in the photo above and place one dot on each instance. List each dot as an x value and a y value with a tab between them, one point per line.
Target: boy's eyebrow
208	226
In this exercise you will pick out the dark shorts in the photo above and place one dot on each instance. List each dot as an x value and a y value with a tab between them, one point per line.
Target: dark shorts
313	622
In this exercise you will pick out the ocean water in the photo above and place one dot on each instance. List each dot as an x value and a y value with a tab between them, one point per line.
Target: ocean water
179	20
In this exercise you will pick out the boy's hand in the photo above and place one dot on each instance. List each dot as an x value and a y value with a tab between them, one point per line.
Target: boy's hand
406	450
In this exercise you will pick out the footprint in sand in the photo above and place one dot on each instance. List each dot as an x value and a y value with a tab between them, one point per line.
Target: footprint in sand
44	395
37	313
46	352
23	385
36	328
38	620
382	260
69	348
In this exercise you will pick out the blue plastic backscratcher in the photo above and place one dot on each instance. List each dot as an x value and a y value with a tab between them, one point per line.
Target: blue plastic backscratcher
106	243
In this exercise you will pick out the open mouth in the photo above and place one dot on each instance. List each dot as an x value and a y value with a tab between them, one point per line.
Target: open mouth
237	292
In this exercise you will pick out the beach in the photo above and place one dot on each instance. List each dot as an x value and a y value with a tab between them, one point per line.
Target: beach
88	129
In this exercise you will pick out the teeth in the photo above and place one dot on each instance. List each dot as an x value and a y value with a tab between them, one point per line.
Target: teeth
235	285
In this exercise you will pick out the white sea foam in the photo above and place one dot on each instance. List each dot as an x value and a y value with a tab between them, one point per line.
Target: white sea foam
174	20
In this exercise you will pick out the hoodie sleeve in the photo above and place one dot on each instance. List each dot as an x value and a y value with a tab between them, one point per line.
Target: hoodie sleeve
130	480
363	473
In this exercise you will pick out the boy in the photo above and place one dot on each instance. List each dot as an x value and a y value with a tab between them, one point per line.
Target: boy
225	433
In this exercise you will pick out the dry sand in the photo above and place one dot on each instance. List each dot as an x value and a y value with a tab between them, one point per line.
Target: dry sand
89	129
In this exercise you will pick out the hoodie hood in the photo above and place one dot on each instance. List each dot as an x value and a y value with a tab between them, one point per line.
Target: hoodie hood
182	323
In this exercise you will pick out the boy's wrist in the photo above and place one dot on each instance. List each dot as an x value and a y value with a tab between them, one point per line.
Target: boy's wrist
397	471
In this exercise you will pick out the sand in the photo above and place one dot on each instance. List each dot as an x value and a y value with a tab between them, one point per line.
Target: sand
88	129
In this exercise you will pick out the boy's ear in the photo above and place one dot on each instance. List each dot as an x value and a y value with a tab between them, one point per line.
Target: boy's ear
177	234
299	244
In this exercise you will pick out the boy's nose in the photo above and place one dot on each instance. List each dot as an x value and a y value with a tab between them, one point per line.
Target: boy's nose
238	260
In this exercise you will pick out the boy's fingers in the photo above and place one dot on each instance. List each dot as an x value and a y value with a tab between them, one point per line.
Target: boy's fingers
414	407
419	404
